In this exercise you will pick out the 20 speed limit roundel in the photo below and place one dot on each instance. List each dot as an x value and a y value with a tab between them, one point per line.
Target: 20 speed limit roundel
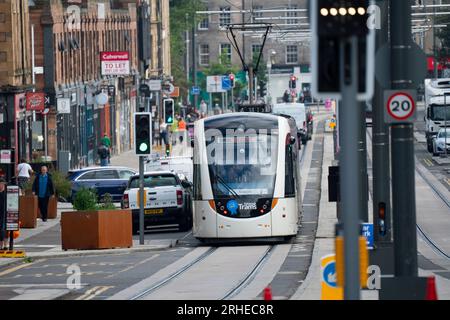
401	106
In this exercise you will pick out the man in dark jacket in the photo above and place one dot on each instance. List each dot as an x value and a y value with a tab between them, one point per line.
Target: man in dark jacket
43	187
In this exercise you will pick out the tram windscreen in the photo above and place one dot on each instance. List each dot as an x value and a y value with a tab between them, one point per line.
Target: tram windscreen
243	164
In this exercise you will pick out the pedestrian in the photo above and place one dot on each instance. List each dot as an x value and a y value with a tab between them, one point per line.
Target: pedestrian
181	129
3	233
103	153
43	187
23	173
106	141
174	129
203	108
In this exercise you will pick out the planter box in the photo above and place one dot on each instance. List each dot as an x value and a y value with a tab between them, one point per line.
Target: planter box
28	209
52	211
84	230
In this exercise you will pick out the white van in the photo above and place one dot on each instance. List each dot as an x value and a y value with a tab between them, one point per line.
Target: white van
298	111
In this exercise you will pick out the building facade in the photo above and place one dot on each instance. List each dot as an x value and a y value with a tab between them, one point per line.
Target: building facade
15	82
213	41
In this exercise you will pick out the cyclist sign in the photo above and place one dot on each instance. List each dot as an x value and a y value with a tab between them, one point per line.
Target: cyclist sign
400	106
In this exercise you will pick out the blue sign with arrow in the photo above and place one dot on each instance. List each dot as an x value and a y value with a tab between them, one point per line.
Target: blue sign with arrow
195	91
226	83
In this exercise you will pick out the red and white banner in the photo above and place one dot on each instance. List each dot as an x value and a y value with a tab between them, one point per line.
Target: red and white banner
115	63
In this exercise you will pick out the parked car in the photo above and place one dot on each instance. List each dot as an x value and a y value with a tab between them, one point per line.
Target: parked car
440	140
112	180
167	200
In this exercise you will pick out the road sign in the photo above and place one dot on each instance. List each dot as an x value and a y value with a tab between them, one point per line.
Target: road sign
63	105
195	91
226	83
168	88
400	106
214	84
367	232
155	85
175	93
330	290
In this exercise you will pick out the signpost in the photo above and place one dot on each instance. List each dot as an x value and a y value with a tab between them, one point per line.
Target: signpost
214	84
367	232
330	290
35	101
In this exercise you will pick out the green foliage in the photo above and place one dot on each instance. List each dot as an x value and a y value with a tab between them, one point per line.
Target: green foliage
85	200
61	184
106	203
182	18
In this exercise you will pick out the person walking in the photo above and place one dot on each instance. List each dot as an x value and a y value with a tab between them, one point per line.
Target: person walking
106	141
44	188
23	173
181	129
103	153
3	233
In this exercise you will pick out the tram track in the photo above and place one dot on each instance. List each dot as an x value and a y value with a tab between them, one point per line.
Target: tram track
174	275
426	237
250	276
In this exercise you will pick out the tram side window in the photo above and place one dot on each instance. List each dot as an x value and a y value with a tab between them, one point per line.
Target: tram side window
289	184
197	183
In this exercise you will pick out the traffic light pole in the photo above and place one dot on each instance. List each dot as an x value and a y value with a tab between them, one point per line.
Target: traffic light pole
141	201
402	140
380	145
349	160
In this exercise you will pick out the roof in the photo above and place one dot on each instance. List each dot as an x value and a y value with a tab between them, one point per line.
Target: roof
101	168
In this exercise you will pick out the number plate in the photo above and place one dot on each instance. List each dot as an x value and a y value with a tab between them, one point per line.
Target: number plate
154	211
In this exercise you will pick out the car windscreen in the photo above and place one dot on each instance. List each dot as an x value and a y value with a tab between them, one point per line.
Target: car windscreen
162	180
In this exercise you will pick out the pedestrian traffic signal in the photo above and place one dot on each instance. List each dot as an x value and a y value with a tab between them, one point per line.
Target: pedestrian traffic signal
169	111
293	82
231	76
333	24
143	133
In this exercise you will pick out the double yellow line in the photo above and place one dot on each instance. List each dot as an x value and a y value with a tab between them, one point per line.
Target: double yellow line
94	292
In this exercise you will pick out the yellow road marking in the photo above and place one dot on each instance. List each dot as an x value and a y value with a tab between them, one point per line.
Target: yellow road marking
98	292
88	293
428	162
134	266
14	269
447	180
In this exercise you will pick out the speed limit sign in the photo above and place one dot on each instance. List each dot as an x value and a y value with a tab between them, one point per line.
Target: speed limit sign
400	106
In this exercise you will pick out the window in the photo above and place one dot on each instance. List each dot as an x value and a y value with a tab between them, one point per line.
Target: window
107	175
88	176
155	181
125	174
256	49
291	54
289	179
257	14
224	17
204	55
290	14
225	50
204	24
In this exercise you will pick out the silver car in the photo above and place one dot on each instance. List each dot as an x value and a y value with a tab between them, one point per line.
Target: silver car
440	140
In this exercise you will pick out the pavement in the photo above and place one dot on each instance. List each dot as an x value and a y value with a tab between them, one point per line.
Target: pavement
44	241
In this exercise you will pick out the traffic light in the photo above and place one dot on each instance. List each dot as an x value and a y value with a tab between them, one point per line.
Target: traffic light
263	89
169	111
143	133
232	77
293	82
334	22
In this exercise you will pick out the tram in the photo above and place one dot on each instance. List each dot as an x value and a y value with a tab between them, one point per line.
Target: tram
246	177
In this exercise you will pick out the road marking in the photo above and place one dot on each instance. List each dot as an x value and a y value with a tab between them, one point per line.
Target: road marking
14	269
88	293
428	162
447	180
133	266
98	292
186	235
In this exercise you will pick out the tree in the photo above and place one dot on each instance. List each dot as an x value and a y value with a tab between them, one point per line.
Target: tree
182	19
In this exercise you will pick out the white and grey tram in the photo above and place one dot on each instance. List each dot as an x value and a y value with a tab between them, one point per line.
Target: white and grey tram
246	177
